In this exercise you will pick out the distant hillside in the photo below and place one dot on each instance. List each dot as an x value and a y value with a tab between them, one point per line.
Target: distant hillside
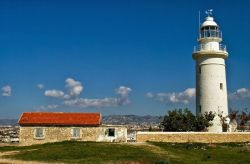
131	119
111	119
8	122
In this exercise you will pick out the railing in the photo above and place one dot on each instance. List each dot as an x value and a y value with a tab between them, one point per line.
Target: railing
206	48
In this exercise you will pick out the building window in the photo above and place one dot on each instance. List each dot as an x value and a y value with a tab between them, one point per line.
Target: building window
111	132
200	69
76	132
221	86
39	133
200	109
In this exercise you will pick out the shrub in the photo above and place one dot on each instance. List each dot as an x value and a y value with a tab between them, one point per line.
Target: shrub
184	120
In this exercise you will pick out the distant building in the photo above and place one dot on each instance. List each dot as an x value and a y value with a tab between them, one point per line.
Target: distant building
43	127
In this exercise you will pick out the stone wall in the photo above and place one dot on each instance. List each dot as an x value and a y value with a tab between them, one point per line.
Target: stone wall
58	133
203	137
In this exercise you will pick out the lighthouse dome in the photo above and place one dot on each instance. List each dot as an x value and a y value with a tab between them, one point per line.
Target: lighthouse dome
209	30
209	22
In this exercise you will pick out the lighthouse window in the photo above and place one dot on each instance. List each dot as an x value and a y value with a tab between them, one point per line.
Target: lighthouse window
213	33
210	31
200	109
199	69
221	86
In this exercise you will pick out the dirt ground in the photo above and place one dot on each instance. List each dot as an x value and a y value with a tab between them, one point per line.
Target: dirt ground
13	161
9	144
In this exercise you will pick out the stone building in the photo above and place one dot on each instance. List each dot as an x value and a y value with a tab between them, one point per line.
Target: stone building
43	127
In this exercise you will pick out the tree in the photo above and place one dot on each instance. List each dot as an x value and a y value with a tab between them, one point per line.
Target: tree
233	115
241	118
184	120
224	120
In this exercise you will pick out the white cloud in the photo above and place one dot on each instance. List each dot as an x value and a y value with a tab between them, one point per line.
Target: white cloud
123	93
122	99
48	107
74	87
40	86
181	97
150	95
239	94
6	91
190	92
54	93
84	103
188	96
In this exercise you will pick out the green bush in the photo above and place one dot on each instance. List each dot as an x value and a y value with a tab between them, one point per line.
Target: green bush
184	120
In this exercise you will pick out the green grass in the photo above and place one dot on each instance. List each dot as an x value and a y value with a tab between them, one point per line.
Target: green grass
206	153
152	152
84	152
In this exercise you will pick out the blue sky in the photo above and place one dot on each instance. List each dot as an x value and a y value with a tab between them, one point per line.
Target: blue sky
113	57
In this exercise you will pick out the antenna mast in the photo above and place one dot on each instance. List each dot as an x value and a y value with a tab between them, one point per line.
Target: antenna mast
199	22
199	18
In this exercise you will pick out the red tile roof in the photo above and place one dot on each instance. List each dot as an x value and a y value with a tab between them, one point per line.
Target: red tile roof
51	118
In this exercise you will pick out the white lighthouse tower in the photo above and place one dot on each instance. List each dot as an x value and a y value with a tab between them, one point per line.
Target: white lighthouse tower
211	86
